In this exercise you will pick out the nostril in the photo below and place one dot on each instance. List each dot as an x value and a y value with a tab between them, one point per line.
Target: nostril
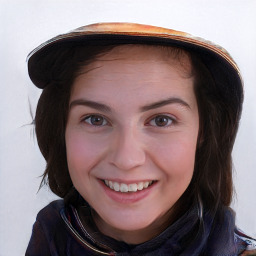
127	161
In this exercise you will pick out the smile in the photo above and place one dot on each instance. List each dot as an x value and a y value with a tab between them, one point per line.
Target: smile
124	188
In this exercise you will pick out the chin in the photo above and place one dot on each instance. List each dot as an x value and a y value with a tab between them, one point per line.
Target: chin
131	225
129	220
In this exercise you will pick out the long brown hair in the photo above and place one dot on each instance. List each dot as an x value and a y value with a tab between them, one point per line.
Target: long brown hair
219	116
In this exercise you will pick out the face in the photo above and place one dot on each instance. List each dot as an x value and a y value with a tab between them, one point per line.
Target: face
131	138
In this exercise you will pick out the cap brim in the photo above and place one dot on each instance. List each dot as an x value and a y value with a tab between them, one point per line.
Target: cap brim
223	68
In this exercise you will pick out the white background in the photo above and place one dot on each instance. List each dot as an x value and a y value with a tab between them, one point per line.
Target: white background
26	24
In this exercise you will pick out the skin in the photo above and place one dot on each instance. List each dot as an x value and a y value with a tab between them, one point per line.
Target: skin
252	253
129	144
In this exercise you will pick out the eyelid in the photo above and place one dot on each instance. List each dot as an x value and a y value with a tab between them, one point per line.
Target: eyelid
95	114
169	116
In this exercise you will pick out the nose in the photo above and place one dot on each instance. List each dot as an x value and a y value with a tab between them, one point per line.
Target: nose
127	151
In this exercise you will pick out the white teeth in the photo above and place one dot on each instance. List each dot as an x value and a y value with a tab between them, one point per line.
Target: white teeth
116	186
145	185
124	188
140	186
132	187
110	184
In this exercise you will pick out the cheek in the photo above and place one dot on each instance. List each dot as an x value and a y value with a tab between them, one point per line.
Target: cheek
176	156
82	152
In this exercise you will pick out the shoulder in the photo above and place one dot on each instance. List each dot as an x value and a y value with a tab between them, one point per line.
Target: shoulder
47	229
49	217
52	208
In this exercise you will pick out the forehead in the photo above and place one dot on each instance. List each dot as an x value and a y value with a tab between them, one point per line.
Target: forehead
149	53
136	71
124	60
130	56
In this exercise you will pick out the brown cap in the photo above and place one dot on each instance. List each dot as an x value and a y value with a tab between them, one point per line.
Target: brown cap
223	68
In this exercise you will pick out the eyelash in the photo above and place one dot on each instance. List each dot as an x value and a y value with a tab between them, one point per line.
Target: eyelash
89	117
170	120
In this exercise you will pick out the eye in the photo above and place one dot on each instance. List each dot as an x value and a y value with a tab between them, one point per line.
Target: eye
161	121
95	120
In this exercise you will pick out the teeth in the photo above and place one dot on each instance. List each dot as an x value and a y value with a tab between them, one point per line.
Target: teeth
133	187
111	184
124	188
140	186
145	185
116	186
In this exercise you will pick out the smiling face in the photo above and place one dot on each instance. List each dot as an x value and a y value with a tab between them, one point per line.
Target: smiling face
131	139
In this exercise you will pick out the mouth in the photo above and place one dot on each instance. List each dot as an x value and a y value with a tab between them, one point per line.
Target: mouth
128	188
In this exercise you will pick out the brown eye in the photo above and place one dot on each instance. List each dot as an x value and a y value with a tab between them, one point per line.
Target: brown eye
95	120
161	121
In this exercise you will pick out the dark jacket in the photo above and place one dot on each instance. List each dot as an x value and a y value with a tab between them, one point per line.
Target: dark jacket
58	231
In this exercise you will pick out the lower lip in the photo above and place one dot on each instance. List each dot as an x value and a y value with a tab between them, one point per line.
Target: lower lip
128	197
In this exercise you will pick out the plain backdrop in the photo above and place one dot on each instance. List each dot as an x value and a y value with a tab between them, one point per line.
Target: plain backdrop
26	24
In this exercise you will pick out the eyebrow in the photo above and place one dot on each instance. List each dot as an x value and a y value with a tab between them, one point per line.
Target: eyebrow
172	100
92	104
105	108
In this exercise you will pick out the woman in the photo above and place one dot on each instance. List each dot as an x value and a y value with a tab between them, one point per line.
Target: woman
137	125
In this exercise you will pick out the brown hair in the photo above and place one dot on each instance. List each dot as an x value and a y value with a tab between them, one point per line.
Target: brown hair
219	115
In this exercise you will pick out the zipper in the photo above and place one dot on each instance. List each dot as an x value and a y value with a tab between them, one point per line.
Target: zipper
78	237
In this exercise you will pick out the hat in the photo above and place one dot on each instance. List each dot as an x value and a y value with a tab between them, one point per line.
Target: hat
222	67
